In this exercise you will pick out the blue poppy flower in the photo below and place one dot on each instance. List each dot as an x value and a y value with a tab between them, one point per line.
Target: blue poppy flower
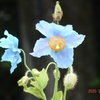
12	53
59	43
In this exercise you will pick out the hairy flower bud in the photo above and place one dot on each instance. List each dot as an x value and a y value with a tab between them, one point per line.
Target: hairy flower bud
70	81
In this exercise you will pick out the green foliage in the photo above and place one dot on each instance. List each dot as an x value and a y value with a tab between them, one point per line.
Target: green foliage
58	95
95	82
41	80
35	84
34	91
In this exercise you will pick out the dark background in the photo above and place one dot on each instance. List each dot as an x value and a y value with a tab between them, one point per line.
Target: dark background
19	18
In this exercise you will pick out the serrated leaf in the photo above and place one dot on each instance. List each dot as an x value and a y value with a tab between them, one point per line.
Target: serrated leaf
58	95
34	91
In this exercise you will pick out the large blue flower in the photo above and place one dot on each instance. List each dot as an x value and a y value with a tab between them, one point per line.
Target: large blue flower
12	52
59	43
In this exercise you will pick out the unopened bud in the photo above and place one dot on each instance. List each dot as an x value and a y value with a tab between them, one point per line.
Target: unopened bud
23	81
70	81
35	72
55	72
58	13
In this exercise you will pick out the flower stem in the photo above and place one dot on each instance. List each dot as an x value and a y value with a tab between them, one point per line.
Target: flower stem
56	83
31	72
56	78
25	59
24	56
44	95
50	64
57	22
65	91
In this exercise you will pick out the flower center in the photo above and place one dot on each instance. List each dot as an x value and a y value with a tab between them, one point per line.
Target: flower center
57	43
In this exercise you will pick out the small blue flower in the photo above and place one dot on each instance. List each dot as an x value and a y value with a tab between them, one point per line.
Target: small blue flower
12	52
59	43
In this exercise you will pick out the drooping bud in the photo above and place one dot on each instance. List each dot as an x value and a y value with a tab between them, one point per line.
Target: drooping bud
58	13
35	72
70	81
23	81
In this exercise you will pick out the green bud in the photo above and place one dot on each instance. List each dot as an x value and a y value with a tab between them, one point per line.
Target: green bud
70	81
23	81
58	13
55	74
35	72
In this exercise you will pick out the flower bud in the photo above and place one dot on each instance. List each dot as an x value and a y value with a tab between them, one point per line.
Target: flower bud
70	81
35	72
58	13
55	74
23	81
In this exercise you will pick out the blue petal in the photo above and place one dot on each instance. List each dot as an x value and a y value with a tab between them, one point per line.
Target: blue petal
45	28
11	56
64	58
49	29
14	66
4	43
74	39
9	42
52	29
67	30
59	30
41	48
11	38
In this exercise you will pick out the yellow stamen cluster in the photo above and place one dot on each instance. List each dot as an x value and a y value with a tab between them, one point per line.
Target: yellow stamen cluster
57	43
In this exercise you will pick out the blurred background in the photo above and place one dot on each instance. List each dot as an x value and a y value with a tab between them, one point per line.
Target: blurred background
19	18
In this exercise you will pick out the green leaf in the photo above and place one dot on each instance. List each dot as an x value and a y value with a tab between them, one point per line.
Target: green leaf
41	80
34	91
58	95
35	84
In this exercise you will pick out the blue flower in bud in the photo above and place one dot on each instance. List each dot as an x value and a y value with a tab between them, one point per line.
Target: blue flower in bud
12	53
59	43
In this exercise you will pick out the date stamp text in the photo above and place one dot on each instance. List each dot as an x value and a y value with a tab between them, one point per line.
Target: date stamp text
93	90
